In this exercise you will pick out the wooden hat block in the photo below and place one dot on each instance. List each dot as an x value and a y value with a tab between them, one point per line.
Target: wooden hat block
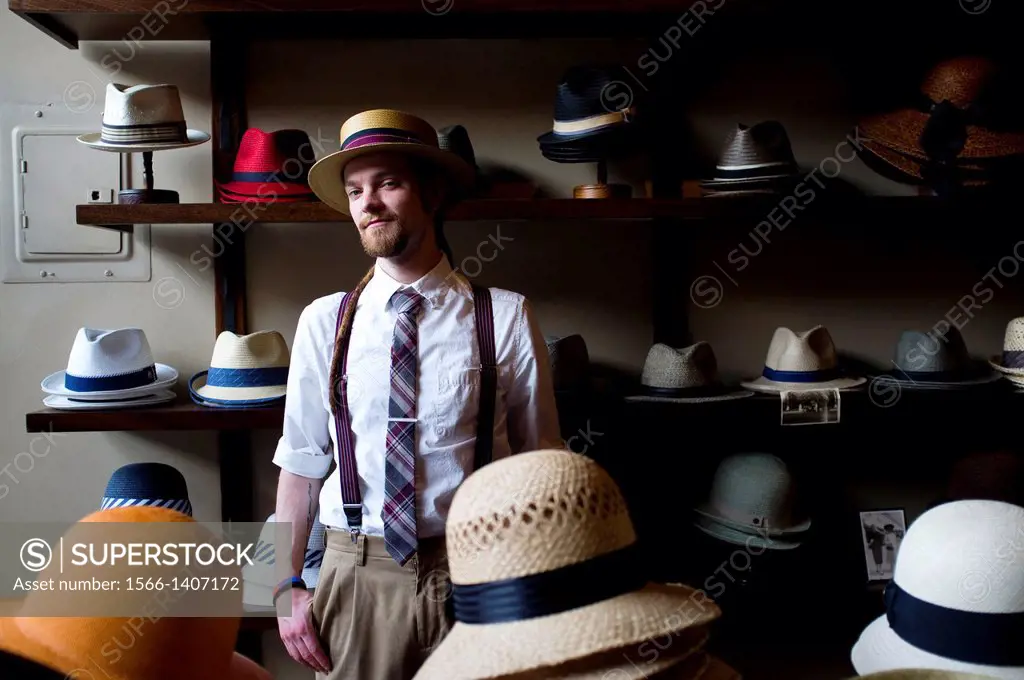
602	189
149	194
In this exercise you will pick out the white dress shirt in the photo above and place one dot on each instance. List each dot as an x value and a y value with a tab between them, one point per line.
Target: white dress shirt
447	399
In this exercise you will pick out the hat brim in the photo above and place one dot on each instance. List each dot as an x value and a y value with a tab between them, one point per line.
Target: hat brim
798	528
763	384
879	649
727	396
747	540
901	379
496	649
901	130
326	181
233	396
265	191
73	404
13	640
165	377
94	140
995	362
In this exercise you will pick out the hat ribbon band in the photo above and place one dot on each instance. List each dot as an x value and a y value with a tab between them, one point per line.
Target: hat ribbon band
274	176
822	375
551	592
379	136
272	376
182	505
149	133
990	639
1013	359
124	381
564	127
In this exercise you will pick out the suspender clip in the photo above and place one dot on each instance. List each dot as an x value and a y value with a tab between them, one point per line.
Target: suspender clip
354	515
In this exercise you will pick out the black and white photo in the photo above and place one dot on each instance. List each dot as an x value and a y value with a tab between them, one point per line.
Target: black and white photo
881	533
810	407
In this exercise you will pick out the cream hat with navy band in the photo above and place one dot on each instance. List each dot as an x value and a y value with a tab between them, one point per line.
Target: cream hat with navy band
246	370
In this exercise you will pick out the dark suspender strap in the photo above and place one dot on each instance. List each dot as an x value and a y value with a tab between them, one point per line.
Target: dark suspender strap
351	499
484	318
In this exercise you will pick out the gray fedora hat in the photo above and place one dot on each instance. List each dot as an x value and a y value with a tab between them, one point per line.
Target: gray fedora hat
686	375
936	360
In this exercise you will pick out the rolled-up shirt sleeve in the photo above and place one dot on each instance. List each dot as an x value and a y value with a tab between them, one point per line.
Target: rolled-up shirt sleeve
532	410
305	447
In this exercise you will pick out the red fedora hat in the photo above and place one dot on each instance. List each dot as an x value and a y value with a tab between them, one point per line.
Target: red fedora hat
270	166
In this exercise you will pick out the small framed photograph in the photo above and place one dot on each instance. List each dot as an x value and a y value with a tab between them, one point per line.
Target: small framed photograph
881	533
811	407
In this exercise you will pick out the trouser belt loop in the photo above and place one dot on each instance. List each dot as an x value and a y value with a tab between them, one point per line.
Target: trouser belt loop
360	554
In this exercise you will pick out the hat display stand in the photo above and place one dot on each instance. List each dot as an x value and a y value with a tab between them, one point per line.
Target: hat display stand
149	194
602	189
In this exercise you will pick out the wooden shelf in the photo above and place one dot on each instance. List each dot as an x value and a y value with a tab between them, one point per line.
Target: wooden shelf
177	416
746	208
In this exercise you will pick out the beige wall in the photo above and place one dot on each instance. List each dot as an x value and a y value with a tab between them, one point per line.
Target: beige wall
588	278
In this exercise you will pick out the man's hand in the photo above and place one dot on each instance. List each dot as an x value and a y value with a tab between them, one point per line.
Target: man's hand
299	635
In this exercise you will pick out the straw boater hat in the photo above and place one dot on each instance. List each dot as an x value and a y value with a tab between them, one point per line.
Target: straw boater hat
384	130
956	600
165	646
545	571
936	360
686	375
143	118
246	370
753	495
802	361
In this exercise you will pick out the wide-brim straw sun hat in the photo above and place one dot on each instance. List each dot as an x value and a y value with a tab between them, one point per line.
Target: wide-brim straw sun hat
380	130
956	600
545	569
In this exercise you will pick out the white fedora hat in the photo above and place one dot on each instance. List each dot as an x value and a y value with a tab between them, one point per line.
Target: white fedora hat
802	361
956	600
110	365
752	495
247	369
687	375
74	404
1011	362
143	118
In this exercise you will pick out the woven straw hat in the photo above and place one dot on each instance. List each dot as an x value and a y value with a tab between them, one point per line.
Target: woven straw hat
143	118
1011	361
384	130
683	375
149	483
923	674
936	360
754	155
544	570
752	495
168	646
956	599
801	361
245	370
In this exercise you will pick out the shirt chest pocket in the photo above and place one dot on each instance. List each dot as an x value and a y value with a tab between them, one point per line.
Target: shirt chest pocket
457	403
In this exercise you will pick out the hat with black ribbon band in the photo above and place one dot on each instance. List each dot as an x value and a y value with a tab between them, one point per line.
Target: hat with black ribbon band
822	375
570	587
986	638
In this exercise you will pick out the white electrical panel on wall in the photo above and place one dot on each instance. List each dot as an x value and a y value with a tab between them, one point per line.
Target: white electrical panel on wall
47	173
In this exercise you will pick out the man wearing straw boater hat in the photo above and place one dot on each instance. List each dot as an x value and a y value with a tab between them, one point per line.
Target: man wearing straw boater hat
410	382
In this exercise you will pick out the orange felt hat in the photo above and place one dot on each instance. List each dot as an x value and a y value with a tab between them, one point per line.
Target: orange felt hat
129	648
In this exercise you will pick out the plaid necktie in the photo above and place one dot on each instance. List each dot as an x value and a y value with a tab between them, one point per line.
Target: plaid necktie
399	513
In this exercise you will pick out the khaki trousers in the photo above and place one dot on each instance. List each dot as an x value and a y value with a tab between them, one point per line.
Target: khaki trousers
378	620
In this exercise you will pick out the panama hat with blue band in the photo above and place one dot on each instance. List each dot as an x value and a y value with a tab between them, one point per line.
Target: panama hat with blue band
800	362
384	130
246	370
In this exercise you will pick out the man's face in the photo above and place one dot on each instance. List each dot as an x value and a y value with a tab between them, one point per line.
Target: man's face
385	203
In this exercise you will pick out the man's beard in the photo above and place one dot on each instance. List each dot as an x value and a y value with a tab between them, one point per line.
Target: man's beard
387	241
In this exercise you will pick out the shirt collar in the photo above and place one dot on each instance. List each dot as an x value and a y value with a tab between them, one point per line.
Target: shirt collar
433	285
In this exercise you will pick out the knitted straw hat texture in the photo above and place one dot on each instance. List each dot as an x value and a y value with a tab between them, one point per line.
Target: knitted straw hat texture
534	513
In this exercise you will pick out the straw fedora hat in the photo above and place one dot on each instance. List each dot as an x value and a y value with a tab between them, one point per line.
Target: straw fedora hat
169	647
549	530
933	360
384	130
802	361
143	118
246	370
956	600
1011	362
685	375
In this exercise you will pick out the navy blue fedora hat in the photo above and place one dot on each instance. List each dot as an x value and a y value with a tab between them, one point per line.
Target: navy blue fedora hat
153	484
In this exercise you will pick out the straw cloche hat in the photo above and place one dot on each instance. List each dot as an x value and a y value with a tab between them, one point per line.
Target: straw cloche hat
384	130
545	571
